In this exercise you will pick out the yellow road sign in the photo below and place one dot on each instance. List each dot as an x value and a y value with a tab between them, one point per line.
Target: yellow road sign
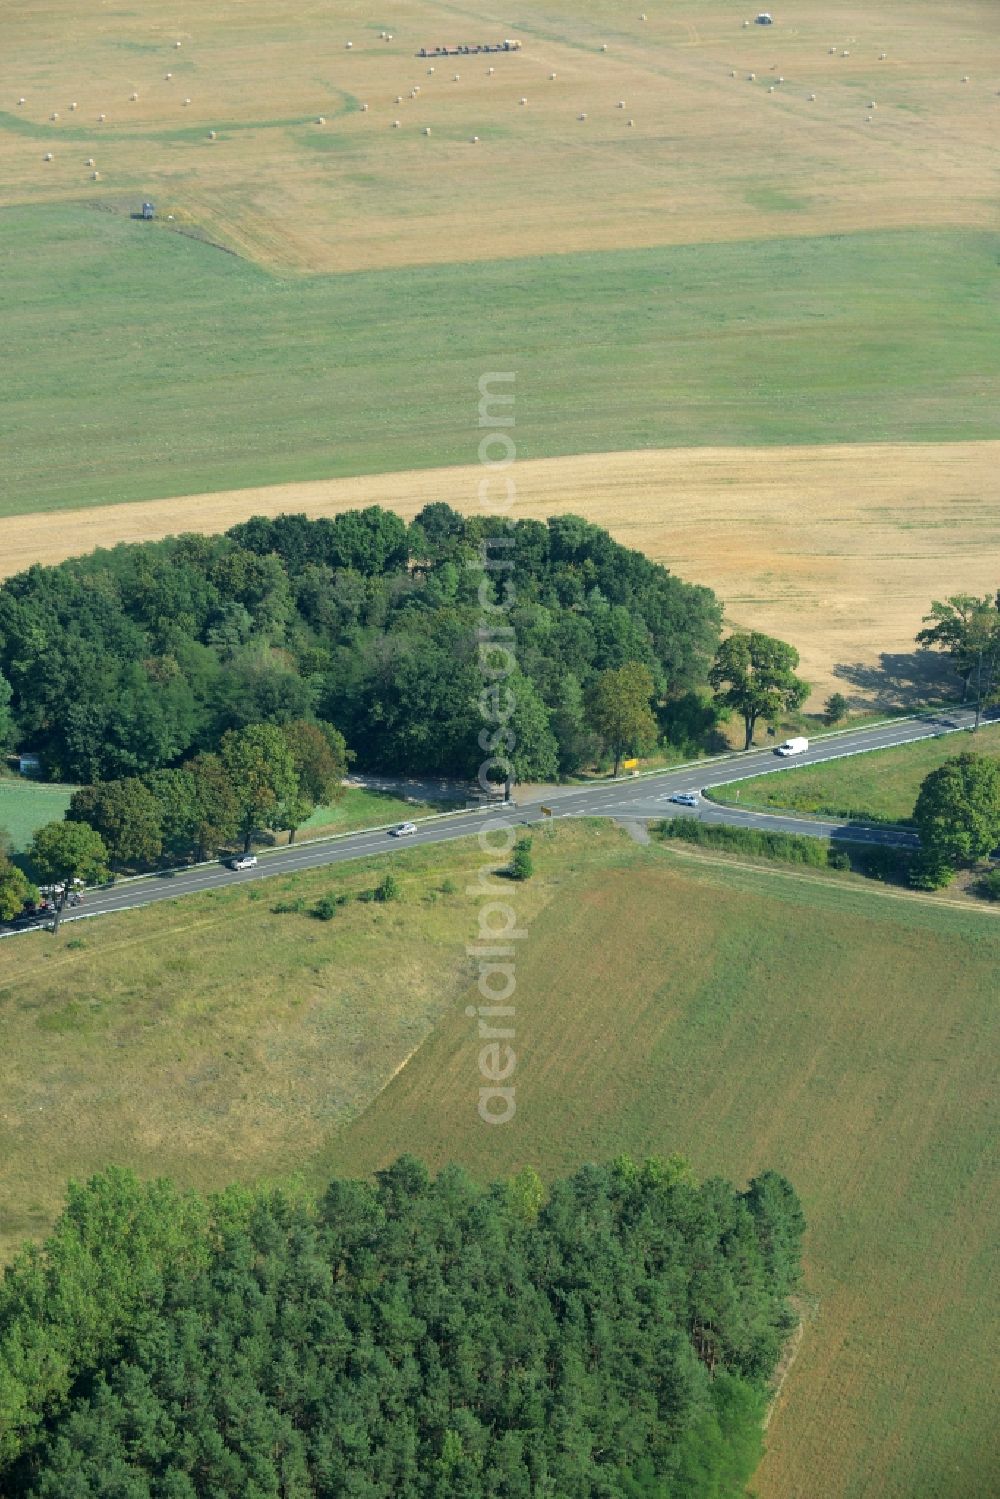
629	764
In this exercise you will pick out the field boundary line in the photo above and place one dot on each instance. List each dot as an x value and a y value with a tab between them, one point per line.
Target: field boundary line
828	881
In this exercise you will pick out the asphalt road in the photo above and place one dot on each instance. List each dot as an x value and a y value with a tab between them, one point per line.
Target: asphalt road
627	799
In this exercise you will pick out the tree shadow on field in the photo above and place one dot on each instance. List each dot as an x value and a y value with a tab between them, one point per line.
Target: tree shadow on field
902	679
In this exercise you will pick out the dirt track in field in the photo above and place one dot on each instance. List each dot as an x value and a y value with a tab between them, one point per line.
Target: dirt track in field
838	549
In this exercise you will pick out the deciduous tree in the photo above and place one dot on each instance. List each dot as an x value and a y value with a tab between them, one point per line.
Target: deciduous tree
6	713
128	817
968	629
62	852
16	890
835	709
217	811
958	810
618	708
755	675
260	768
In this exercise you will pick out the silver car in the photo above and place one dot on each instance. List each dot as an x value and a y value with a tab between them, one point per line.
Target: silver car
404	829
686	798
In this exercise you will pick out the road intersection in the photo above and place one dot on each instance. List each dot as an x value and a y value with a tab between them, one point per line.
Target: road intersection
627	799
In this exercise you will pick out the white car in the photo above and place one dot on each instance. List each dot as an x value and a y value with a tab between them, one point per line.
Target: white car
686	798
797	746
404	829
244	861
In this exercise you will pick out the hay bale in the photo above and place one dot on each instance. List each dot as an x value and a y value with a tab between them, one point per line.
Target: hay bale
90	161
168	76
54	115
47	156
348	46
845	54
73	105
427	130
22	100
812	98
321	119
475	140
552	78
133	98
95	176
101	119
185	102
873	105
881	57
780	79
523	101
211	135
490	72
643	16
455	77
399	98
581	117
832	51
429	71
630	123
752	77
604	46
965	78
770	88
732	72
395	124
364	109
176	44
621	103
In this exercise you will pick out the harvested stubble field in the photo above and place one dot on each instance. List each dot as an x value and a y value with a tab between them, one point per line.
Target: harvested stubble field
838	548
709	157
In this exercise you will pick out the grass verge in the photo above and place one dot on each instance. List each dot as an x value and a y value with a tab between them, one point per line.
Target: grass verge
28	805
877	786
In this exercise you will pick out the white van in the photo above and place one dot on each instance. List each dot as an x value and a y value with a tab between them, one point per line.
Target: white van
793	747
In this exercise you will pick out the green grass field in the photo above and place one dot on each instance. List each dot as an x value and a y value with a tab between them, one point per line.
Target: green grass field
361	808
212	1038
751	1018
155	365
881	786
27	805
745	1016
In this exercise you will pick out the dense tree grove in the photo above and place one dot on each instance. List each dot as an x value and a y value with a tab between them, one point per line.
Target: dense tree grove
138	659
411	1338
